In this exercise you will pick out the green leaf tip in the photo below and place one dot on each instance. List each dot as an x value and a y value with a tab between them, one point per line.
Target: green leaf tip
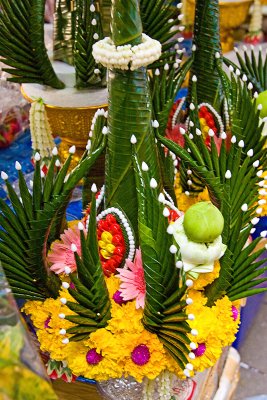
126	25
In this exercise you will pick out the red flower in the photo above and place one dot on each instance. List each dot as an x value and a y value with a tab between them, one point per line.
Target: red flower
111	243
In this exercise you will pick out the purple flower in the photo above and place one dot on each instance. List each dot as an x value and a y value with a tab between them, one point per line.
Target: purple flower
93	358
200	350
140	354
117	297
46	323
235	313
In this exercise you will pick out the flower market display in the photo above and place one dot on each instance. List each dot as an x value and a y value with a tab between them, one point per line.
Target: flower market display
146	287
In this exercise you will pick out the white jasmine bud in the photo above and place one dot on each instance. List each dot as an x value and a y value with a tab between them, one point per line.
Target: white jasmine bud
144	167
18	166
228	174
94	188
173	249
153	183
55	151
72	149
133	139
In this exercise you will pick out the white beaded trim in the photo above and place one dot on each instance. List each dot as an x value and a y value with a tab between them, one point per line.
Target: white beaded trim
127	57
126	226
226	114
172	207
168	196
177	111
100	197
99	112
214	112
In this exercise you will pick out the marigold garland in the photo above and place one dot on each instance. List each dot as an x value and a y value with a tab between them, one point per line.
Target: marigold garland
115	342
215	325
205	279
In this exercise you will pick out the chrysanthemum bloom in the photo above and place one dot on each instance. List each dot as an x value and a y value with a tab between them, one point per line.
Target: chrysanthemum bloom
61	255
133	284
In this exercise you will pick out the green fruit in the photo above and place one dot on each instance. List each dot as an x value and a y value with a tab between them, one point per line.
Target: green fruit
203	222
262	99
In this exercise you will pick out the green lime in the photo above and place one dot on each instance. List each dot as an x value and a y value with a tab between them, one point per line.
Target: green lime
203	222
262	99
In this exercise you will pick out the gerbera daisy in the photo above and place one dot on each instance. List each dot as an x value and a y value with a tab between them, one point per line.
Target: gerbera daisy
133	284
61	254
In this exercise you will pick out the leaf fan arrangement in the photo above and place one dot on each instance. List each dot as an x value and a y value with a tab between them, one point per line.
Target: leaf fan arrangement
78	26
23	47
252	66
161	21
92	304
232	180
229	163
22	44
36	219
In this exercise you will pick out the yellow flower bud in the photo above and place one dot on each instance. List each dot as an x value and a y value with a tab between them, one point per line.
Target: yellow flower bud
107	237
110	248
105	254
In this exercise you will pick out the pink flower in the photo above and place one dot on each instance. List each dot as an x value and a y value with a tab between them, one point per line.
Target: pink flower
133	284
61	255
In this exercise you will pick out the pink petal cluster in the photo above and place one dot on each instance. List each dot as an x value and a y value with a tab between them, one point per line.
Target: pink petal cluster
61	255
133	284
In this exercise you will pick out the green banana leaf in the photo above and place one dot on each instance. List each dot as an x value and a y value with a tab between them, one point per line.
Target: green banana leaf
22	45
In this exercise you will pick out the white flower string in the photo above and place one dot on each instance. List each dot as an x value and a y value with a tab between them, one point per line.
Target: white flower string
41	134
177	111
127	57
215	114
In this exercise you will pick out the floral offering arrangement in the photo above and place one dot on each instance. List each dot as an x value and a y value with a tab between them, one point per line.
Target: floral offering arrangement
147	286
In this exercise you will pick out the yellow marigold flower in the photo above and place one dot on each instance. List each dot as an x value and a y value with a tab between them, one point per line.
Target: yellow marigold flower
205	279
45	317
75	355
157	362
208	359
215	326
107	344
263	197
121	315
38	313
113	284
227	326
204	196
